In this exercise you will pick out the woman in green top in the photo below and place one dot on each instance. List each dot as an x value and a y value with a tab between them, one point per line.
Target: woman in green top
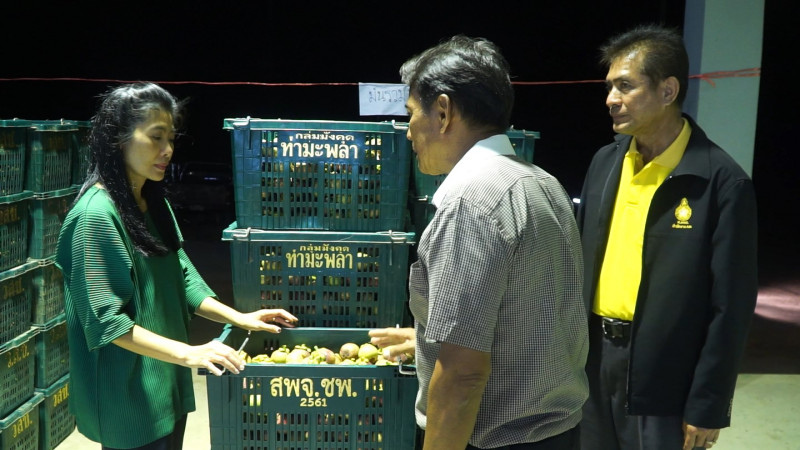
130	288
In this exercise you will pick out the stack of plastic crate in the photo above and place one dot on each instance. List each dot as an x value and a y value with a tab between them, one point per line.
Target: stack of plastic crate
36	190
424	186
80	150
321	210
19	403
59	148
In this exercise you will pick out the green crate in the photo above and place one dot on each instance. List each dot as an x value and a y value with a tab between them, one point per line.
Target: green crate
49	155
48	210
14	229
425	185
319	175
20	429
80	151
47	289
325	278
304	406
17	371
56	423
422	212
52	353
15	302
13	142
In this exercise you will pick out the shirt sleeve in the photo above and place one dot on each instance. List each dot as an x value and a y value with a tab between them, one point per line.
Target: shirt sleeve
468	272
196	288
97	270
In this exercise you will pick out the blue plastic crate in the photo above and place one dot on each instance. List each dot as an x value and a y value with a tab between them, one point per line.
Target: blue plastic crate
319	175
310	406
334	279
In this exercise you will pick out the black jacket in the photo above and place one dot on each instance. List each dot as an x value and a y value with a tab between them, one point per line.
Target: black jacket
699	279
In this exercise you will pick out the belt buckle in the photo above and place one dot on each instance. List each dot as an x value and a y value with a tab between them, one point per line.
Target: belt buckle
612	331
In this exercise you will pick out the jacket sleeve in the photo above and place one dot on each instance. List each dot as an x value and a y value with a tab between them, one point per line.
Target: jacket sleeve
733	298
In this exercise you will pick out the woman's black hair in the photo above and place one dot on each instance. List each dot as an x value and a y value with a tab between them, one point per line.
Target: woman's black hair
121	110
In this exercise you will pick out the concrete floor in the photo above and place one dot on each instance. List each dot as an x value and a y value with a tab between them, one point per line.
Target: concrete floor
766	409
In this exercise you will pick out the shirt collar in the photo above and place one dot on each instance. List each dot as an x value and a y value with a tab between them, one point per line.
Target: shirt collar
497	145
670	157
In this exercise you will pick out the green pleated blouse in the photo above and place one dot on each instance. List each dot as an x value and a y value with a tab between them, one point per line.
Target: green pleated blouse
120	398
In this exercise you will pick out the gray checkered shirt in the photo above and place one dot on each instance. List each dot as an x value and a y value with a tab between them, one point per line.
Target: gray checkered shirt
500	270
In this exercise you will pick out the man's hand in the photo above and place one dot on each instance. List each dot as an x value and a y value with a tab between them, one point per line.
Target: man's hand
698	437
395	342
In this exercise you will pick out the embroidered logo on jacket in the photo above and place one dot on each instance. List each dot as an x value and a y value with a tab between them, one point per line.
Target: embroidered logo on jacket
683	213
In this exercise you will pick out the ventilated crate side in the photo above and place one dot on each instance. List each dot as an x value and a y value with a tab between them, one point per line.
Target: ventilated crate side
52	353
80	151
14	216
15	302
48	210
49	156
56	423
17	371
47	288
319	175
20	429
311	406
13	144
333	279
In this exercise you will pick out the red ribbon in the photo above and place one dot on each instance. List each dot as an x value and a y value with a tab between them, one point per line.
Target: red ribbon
707	77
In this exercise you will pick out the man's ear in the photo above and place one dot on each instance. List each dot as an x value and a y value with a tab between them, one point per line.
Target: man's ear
444	111
670	90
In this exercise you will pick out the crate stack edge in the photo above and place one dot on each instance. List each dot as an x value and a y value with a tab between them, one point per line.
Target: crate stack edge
38	182
56	422
322	182
321	231
19	402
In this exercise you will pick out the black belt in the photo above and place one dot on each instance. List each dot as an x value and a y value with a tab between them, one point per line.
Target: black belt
615	328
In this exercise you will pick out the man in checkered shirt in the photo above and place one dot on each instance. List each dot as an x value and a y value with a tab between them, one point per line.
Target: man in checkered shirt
501	340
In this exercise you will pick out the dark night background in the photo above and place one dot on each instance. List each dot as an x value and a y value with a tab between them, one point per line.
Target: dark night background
349	42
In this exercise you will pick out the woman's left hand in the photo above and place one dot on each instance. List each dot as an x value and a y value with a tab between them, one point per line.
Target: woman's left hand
270	320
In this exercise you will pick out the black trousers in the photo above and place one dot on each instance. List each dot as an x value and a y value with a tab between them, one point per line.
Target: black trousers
606	424
172	441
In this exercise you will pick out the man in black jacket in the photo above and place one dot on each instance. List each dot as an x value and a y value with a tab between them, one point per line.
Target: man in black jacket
668	223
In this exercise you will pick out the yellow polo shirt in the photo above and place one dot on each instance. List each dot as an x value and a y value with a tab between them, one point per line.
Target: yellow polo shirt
621	272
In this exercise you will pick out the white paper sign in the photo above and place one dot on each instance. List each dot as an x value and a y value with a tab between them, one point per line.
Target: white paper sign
382	99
